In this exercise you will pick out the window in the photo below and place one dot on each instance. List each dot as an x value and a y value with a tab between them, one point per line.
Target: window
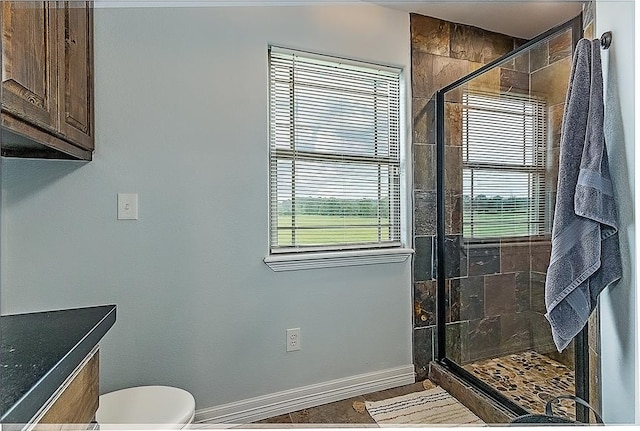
504	164
334	154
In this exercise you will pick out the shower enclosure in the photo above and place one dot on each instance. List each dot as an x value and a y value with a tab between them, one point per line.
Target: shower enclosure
498	136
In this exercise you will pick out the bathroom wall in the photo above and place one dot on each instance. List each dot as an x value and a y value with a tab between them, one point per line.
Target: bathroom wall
181	119
441	52
619	304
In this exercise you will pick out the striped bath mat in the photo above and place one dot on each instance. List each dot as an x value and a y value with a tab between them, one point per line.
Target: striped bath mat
434	406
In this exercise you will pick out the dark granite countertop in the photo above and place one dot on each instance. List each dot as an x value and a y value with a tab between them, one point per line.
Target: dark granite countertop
38	351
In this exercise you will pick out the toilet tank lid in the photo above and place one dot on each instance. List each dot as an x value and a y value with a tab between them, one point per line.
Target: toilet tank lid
163	406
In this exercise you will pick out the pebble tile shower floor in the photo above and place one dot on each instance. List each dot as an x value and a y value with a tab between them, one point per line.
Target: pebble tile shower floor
530	379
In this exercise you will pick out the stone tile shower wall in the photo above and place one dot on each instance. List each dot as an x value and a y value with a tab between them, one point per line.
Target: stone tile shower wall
512	315
441	52
550	65
494	291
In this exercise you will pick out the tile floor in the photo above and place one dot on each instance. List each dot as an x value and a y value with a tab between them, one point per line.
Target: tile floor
342	412
528	378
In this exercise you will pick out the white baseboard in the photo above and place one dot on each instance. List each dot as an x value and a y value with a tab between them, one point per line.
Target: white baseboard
278	403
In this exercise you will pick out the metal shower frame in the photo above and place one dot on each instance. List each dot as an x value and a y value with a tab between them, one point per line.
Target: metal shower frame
581	345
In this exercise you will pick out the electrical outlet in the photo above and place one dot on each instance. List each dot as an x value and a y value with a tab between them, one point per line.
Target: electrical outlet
293	339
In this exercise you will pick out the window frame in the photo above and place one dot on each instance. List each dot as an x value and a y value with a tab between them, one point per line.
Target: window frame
538	196
339	254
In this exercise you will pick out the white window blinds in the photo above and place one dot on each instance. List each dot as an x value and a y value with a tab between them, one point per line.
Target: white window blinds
504	165
334	153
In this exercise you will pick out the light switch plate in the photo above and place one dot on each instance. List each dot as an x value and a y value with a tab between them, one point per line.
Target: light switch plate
127	206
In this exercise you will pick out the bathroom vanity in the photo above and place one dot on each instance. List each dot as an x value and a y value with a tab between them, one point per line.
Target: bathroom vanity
49	366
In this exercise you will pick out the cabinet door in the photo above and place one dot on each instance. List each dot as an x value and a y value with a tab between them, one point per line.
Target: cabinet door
75	76
78	400
29	62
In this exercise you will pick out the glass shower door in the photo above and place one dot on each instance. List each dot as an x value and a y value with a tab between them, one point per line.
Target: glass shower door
498	151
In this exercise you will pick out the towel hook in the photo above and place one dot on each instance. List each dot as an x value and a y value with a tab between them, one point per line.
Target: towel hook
605	40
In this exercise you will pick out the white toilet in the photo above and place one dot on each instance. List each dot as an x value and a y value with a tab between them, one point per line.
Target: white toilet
142	407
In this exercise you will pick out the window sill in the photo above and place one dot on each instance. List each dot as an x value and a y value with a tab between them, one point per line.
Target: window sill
294	262
510	241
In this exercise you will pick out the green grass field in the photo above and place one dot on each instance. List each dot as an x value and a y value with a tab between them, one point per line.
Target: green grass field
329	230
360	229
487	225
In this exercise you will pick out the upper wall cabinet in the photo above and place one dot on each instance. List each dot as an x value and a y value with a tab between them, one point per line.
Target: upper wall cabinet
47	79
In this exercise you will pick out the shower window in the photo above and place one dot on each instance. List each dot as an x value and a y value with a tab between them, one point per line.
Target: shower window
504	162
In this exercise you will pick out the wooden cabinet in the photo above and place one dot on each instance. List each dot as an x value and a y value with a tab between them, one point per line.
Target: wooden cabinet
47	79
76	402
29	89
75	69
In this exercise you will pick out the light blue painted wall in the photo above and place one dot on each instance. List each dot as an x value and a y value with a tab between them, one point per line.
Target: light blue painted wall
618	304
181	119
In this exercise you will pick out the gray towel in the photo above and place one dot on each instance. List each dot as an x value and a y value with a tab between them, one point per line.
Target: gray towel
585	255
